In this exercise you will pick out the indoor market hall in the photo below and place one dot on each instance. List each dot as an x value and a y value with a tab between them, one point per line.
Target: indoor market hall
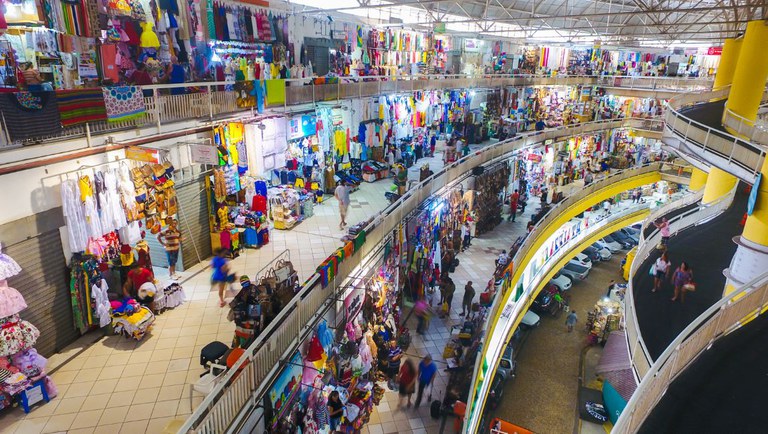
391	217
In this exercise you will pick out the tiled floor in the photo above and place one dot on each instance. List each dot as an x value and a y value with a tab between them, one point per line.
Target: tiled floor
115	385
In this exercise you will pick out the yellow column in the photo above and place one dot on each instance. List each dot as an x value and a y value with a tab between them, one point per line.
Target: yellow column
698	179
719	183
751	72
727	65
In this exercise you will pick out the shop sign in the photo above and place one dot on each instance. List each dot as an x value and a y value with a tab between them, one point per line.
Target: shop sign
715	51
353	302
472	45
536	158
439	27
136	153
285	388
204	154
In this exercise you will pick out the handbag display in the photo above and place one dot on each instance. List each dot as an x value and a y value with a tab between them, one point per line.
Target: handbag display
283	271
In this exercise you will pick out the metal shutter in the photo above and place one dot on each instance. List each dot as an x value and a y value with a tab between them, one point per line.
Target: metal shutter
44	283
193	223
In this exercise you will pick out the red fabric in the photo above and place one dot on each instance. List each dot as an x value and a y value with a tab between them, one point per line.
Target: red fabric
259	204
108	62
315	352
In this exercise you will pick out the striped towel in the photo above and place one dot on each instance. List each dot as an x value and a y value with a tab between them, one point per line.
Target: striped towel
123	103
81	106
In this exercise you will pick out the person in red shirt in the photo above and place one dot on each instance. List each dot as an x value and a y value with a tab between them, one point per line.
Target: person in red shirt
137	277
406	382
513	199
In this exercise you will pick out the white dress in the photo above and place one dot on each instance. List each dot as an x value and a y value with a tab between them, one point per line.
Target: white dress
113	201
74	216
92	219
8	267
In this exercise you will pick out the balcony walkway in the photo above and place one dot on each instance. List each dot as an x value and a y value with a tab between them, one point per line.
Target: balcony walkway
709	114
708	249
722	391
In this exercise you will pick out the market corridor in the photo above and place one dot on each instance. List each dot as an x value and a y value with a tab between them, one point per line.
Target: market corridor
111	384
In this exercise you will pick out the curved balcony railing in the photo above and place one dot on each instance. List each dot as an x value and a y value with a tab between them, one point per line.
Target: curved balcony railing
495	330
208	101
714	146
756	130
725	316
638	352
248	377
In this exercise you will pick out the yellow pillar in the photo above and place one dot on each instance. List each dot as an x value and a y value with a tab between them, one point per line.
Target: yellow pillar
698	179
728	60
751	72
719	183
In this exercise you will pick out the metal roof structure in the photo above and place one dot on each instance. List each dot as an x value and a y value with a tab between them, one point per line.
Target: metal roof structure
626	22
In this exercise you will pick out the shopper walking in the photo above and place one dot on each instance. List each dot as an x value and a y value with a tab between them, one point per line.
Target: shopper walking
513	199
661	270
170	238
421	310
465	236
466	302
683	276
503	259
221	275
570	321
449	290
342	195
335	410
663	227
427	373
406	381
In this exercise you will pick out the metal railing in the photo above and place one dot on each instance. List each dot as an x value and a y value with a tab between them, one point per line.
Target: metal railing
755	130
725	316
656	83
638	352
247	378
206	101
735	155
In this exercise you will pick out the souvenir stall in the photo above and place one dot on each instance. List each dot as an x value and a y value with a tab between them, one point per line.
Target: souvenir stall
108	212
353	361
391	50
604	318
23	379
490	188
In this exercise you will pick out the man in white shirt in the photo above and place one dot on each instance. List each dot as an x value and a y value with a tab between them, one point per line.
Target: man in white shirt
503	259
342	195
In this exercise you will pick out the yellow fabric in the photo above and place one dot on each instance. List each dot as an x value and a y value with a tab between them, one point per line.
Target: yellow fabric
86	190
275	91
340	142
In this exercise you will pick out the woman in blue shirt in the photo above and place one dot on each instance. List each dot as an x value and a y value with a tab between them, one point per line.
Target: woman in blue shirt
221	275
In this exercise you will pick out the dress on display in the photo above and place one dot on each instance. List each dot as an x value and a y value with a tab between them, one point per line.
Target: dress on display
11	300
8	268
16	335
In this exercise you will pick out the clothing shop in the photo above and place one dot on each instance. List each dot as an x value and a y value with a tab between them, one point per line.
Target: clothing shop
110	211
23	378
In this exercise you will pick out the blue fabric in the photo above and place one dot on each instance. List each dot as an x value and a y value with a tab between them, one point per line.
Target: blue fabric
361	133
325	336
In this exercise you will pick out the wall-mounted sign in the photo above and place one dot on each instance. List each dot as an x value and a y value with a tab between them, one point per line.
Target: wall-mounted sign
439	27
302	126
87	70
715	51
285	388
536	158
472	45
204	154
136	153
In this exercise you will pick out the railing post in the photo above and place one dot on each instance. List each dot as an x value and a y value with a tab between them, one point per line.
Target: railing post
210	101
155	96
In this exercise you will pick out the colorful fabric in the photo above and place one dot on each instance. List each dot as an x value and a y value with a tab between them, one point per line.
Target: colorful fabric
123	103
80	106
275	91
30	115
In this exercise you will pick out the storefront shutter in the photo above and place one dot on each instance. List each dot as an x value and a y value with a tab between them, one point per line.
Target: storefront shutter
44	283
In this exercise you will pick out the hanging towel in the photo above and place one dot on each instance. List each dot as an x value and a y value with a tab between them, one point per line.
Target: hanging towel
123	103
30	115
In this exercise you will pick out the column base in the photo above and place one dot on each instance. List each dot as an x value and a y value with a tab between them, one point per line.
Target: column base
749	262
